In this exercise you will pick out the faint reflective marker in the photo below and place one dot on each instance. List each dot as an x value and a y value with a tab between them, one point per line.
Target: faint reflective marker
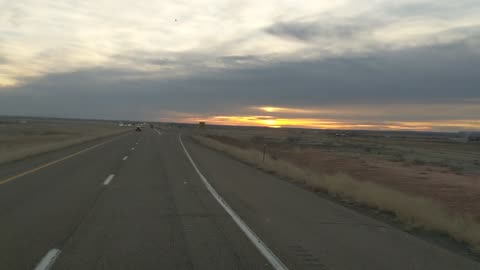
48	260
109	178
125	158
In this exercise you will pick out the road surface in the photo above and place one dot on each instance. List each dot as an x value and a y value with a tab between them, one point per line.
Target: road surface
139	201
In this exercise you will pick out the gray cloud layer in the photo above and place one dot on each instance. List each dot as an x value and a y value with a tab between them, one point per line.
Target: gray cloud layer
446	74
139	63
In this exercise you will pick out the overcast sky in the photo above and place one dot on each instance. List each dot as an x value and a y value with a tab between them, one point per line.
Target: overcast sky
376	64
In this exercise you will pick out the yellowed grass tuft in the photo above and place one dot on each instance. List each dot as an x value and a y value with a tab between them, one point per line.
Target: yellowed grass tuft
413	211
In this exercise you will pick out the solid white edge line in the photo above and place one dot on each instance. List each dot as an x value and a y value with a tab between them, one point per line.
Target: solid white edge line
259	244
125	157
48	260
109	178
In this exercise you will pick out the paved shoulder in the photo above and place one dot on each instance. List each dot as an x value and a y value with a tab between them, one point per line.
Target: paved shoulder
308	232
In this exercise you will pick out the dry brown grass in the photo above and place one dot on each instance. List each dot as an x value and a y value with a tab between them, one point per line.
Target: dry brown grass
21	141
413	211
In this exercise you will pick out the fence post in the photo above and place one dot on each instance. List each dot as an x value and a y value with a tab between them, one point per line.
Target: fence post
264	151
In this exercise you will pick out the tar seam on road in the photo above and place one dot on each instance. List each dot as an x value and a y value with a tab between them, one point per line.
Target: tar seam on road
53	162
109	178
125	158
259	244
48	260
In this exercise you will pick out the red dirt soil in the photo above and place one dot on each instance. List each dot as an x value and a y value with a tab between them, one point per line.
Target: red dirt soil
459	193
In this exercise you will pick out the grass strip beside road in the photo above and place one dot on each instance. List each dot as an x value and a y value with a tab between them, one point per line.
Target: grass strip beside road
11	178
18	146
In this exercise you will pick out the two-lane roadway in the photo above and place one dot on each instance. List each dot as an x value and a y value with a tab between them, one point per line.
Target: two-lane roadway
155	200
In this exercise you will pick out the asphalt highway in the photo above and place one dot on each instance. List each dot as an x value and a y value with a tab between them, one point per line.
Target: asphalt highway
156	200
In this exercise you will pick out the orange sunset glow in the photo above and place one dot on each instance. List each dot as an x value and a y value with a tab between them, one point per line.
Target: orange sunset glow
296	118
340	118
270	121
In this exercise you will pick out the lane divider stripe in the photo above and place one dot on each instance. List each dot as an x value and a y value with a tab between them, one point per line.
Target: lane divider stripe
125	158
109	178
259	244
48	260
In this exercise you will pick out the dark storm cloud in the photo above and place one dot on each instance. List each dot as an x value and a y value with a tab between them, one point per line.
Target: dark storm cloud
445	74
362	24
438	9
187	61
308	31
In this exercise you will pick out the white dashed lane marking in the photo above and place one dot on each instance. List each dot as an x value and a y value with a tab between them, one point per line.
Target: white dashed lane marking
48	260
109	178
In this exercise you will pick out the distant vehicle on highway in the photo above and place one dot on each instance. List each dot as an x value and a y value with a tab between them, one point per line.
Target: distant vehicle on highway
138	129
